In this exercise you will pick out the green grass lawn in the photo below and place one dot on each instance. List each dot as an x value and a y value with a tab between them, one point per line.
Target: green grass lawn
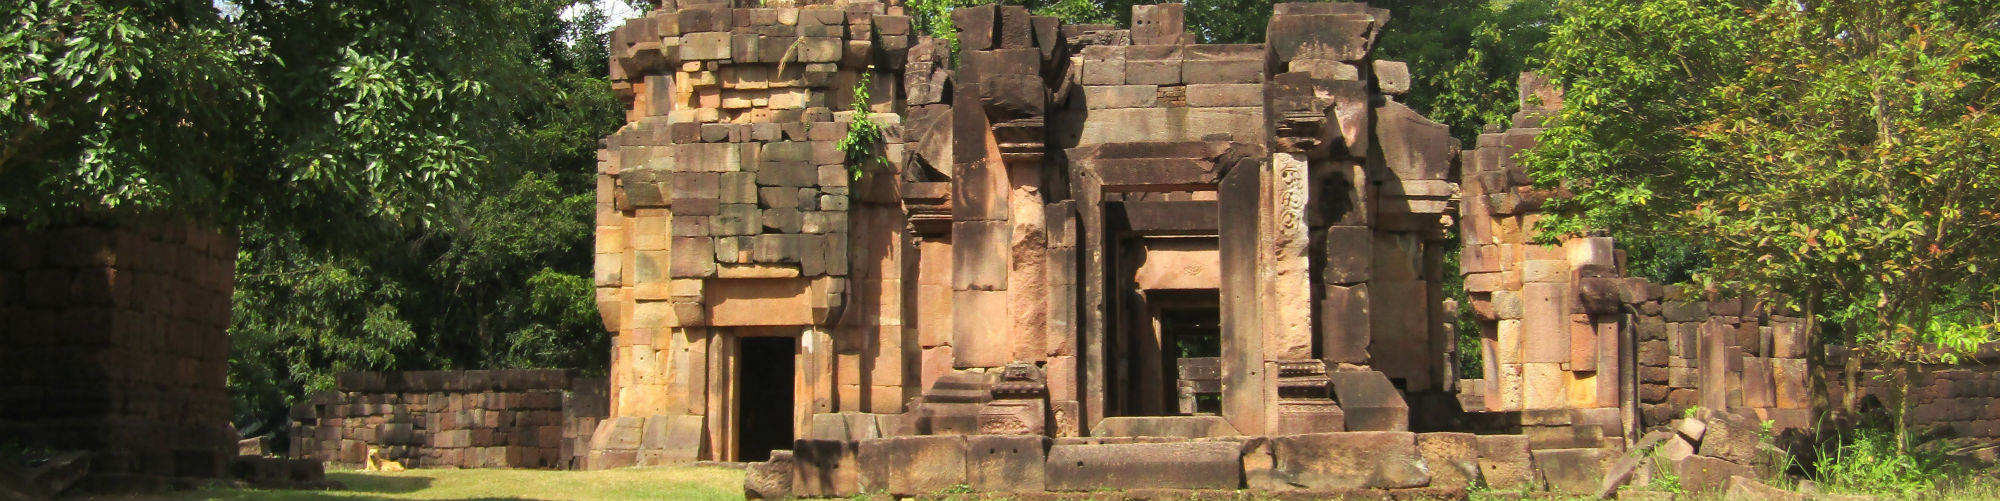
676	483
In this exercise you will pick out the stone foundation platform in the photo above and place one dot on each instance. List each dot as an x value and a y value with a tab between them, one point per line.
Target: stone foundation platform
1338	465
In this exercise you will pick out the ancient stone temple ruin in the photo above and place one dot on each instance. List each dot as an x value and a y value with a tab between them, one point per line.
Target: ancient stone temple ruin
1084	258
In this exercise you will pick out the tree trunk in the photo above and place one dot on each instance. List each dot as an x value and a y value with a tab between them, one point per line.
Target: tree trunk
1906	375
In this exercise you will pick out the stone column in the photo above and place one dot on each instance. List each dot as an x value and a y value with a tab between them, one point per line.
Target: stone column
1243	373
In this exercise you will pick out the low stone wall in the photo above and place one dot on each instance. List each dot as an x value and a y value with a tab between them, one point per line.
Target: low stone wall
1719	354
113	340
1338	464
453	419
1964	398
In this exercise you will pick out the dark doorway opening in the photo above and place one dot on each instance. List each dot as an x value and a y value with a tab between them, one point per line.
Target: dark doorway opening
764	376
1193	342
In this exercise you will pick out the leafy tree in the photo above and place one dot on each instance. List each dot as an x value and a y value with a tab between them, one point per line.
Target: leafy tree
497	278
118	108
412	180
1837	153
1465	56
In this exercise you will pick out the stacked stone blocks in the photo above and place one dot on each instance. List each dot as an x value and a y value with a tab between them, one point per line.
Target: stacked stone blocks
1563	327
116	344
451	419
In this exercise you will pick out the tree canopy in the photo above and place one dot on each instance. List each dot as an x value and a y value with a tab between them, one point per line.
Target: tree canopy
498	274
412	181
1839	154
291	112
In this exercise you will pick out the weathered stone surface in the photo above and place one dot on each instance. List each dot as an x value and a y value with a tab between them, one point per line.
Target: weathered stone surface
1171	124
1224	95
825	468
1309	416
1332	37
1174	465
1545	326
1453	458
1572	471
979	338
1740	488
1645	495
1101	97
1349	460
1676	448
1707	474
845	426
1006	463
926	464
1392	77
1371	402
1413	147
1504	461
1189	427
1013	417
873	457
1621	472
1350	254
1731	436
1345	324
770	479
1157	24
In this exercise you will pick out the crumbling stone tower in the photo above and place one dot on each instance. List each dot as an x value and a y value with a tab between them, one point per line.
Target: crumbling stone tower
1075	231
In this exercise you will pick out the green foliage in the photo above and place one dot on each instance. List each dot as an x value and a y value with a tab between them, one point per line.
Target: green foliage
1465	56
499	275
1837	150
1839	153
864	136
137	107
1471	353
1665	478
320	116
1867	461
1072	11
933	17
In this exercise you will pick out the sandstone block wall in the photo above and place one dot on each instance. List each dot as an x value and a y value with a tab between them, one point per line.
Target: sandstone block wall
726	211
1039	203
1964	398
1334	465
1563	328
452	419
113	340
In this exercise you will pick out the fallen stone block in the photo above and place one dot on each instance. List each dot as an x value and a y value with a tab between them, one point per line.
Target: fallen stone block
1504	461
1370	401
824	468
925	464
1453	458
1731	436
1707	474
1189	427
1571	471
1349	460
1171	465
771	479
1749	489
1006	463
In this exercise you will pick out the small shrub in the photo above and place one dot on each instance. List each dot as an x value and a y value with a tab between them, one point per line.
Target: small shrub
863	134
1665	479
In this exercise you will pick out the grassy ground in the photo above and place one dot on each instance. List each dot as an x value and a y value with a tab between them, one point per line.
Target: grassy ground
683	483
